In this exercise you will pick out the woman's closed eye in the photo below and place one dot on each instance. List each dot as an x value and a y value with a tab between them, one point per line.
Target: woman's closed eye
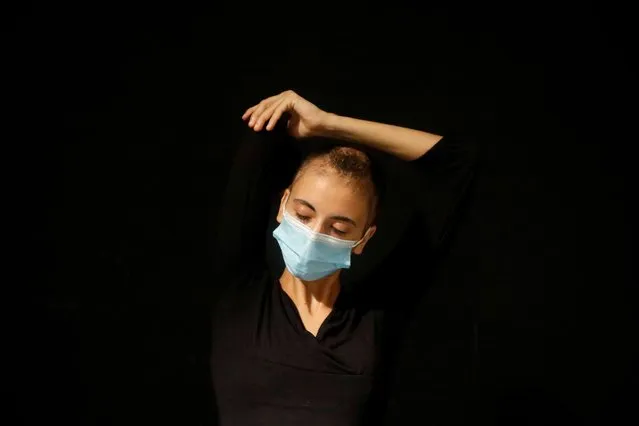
305	219
302	217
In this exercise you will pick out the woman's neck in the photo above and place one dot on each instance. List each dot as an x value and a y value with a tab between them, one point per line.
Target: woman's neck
311	296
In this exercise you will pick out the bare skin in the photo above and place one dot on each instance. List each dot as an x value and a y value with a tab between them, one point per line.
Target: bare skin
325	201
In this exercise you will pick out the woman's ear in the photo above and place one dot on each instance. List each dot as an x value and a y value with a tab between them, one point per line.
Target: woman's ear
369	234
280	212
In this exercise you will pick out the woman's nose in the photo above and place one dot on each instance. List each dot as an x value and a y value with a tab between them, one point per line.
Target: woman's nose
318	226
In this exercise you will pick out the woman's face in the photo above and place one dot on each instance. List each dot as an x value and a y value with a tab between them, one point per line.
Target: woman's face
329	204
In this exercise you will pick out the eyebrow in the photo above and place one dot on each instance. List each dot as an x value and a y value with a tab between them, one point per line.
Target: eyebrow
340	218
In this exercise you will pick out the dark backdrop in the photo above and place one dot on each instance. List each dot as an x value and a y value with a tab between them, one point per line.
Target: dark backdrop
119	128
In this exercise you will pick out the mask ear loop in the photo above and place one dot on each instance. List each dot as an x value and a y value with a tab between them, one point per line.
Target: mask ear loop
363	237
285	202
285	213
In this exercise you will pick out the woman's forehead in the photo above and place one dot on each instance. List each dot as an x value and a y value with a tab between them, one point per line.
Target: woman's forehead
330	192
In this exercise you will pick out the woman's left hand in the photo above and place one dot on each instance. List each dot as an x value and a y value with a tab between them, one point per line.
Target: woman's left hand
305	118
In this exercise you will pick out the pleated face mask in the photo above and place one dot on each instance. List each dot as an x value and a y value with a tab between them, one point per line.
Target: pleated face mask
311	255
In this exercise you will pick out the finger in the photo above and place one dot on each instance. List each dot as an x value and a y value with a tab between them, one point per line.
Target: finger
277	114
248	112
251	111
268	114
257	113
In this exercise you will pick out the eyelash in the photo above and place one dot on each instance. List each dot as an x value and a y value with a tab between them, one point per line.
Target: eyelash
302	218
306	218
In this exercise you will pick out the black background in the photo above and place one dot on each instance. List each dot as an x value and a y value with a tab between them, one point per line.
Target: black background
120	124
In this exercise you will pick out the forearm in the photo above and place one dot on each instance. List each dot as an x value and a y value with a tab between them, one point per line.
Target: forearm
407	144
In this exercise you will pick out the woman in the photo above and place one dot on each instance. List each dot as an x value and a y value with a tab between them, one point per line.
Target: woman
291	344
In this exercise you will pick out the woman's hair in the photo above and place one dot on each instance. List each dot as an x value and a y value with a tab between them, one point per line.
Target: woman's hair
352	164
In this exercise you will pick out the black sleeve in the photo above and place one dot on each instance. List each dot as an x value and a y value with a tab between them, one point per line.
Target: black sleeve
258	171
437	183
423	201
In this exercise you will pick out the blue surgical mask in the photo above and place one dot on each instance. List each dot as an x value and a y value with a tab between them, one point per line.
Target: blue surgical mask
310	255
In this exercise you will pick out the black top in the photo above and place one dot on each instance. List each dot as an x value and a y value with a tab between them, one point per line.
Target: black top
266	368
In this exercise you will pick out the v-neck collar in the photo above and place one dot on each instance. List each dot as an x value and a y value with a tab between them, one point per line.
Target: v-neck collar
293	314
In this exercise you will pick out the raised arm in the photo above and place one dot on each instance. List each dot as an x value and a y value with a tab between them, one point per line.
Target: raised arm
257	167
436	170
440	168
401	142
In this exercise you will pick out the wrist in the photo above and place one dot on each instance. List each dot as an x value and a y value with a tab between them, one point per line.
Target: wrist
328	125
